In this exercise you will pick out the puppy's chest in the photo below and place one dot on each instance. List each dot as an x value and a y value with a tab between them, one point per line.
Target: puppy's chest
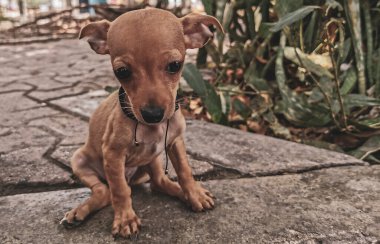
150	143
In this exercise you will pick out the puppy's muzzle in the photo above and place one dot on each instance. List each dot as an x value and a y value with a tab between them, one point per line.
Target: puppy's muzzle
152	114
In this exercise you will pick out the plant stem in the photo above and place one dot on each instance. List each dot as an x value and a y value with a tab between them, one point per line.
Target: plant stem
337	84
352	8
368	29
301	36
377	85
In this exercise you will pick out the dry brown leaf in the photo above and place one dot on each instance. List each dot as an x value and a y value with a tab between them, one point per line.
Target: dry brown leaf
194	104
256	127
243	127
198	110
266	97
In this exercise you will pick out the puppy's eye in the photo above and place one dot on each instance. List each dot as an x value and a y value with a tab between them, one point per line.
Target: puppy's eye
123	73
174	67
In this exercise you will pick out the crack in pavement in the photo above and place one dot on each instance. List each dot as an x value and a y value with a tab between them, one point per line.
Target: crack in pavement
12	91
17	89
56	107
56	88
219	173
35	187
40	117
67	95
222	171
51	149
42	105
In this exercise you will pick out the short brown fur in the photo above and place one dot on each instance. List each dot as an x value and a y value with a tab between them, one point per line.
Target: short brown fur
145	41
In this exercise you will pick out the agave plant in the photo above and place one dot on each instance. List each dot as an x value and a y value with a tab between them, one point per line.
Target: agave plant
304	70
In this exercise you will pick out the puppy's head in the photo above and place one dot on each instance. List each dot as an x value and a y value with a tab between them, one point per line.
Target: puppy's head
147	49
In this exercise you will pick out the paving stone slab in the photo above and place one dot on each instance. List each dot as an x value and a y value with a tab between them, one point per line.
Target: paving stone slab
70	129
43	83
9	70
24	167
84	85
26	170
17	110
83	105
256	154
339	205
24	137
63	153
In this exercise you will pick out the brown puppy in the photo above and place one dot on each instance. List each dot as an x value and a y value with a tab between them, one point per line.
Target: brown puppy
147	49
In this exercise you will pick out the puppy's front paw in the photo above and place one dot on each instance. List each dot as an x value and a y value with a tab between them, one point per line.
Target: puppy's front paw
200	198
125	224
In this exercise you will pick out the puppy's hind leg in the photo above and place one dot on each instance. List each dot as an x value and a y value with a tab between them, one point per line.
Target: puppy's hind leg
100	194
161	182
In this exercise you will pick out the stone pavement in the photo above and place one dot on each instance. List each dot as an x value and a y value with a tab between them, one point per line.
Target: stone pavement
267	190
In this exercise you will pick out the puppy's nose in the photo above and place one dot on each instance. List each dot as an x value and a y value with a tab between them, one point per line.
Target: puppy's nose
152	114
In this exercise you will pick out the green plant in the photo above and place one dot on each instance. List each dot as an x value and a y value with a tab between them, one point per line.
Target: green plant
302	70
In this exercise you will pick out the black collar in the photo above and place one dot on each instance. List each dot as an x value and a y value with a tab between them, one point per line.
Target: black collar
125	106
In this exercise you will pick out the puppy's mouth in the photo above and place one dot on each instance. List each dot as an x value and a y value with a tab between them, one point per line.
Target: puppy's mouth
150	115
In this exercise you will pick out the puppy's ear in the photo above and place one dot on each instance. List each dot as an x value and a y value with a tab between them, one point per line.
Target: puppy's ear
97	35
196	31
